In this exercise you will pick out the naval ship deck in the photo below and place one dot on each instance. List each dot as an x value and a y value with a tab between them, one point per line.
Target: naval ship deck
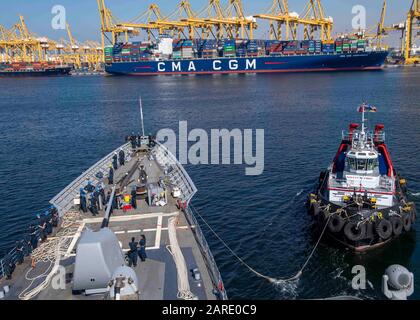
157	276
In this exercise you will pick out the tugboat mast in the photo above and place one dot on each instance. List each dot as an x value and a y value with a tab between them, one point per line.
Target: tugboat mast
363	118
141	117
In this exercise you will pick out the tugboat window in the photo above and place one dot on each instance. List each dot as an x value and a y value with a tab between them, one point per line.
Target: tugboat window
372	164
361	164
351	163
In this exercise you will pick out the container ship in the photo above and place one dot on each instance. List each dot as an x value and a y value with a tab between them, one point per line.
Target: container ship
170	56
30	69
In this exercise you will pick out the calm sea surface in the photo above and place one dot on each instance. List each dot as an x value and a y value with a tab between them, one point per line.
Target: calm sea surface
54	128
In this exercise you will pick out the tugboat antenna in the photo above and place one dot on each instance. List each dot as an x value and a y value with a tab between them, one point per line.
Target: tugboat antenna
141	117
363	117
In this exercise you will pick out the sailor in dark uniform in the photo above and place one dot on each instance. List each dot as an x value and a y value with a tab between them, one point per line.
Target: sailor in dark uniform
115	161
134	198
9	266
42	228
83	201
94	203
19	252
132	253
138	140
89	187
142	249
55	218
27	246
111	175
48	224
133	141
34	237
103	197
121	157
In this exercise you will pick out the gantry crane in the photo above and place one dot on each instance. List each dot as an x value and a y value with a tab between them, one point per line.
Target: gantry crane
110	25
406	28
152	19
18	44
413	19
383	30
78	54
278	15
75	56
312	19
213	19
230	21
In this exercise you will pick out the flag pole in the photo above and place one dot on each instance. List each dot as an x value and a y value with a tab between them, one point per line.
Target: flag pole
141	117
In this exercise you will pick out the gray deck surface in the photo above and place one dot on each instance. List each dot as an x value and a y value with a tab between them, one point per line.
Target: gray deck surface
157	275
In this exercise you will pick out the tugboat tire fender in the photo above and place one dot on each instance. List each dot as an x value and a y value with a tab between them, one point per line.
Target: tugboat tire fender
397	225
354	232
336	223
407	222
384	229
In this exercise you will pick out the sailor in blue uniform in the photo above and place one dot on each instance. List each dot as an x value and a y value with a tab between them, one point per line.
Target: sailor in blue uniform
132	253
111	175
89	187
134	198
138	140
94	203
48	224
83	202
42	228
34	237
102	194
19	252
54	218
27	246
121	157
133	140
9	266
115	161
142	249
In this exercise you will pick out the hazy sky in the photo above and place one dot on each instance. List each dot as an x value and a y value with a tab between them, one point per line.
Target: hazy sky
83	15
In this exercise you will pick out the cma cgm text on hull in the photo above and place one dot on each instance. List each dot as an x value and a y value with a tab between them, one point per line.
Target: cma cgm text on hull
305	63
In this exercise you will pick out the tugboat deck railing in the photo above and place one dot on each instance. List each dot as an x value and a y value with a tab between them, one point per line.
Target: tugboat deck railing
376	137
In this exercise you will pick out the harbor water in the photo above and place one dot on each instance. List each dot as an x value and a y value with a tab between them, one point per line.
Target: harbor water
54	128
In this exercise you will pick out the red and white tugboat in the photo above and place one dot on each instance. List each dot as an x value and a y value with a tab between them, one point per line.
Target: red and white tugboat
360	198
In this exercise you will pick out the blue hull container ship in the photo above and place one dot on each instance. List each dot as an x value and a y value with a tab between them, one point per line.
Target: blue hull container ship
174	56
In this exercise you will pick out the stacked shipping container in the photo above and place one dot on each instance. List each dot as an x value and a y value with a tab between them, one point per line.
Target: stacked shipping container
230	48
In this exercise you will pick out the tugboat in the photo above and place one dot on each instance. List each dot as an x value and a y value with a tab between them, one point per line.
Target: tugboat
361	200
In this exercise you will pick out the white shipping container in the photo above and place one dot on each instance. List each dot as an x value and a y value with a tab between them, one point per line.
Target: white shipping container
165	46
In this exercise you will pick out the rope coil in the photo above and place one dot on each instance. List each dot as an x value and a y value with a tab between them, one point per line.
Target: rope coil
184	291
51	252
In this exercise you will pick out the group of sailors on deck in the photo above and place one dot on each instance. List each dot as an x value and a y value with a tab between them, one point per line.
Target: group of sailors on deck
137	249
92	198
38	231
